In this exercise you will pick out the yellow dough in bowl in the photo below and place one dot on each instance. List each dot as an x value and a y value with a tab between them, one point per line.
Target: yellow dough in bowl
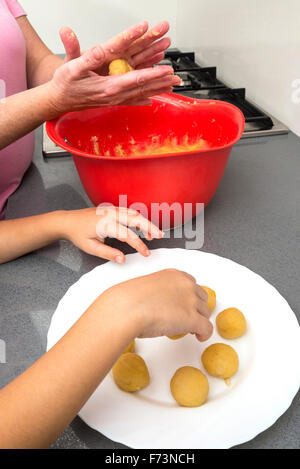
130	347
189	387
221	361
130	372
175	337
211	301
231	323
119	67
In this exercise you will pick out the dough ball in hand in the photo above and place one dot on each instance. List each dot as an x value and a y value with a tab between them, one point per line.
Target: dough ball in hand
130	372
221	361
130	347
175	337
231	323
189	387
211	301
119	67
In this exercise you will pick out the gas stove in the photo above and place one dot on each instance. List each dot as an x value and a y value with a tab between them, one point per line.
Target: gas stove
202	83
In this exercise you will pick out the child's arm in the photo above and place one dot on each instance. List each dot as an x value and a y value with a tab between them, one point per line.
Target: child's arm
86	228
38	405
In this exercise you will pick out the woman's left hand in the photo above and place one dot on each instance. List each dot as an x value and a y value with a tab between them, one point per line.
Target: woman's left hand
140	46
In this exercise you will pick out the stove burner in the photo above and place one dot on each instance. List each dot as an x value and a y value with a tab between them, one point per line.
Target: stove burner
204	78
202	83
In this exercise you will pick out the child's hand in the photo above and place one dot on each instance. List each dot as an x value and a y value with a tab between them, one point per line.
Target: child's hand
168	303
88	228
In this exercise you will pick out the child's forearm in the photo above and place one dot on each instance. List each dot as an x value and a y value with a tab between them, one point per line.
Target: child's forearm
38	405
23	235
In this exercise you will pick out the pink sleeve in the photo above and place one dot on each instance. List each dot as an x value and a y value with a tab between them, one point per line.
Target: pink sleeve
15	8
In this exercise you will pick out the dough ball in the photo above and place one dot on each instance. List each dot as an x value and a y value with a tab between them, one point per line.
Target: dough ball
119	67
189	387
221	361
231	323
175	337
130	347
130	372
211	297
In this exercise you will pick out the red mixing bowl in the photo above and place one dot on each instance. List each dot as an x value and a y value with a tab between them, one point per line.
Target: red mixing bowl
151	183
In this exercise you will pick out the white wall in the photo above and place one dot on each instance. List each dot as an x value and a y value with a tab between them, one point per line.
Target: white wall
255	44
95	20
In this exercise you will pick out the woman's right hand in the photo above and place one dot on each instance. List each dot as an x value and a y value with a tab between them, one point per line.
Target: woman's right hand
76	85
165	303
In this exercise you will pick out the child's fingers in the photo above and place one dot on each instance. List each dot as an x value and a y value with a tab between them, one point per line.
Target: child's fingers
124	234
99	249
136	220
202	328
203	308
202	293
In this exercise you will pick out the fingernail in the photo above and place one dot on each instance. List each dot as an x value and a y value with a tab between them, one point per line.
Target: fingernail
147	252
159	235
119	259
177	80
168	69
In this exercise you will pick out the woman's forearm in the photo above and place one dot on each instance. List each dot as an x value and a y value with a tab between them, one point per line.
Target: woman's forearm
38	405
23	112
41	62
23	235
44	71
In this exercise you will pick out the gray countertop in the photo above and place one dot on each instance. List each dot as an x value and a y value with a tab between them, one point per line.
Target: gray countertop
254	219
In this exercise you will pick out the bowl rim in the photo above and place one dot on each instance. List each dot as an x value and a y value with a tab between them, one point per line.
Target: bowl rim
167	97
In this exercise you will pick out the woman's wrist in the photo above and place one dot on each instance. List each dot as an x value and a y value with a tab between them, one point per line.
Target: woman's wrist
34	105
39	100
48	109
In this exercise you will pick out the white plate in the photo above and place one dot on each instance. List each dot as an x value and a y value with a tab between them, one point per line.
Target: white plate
261	391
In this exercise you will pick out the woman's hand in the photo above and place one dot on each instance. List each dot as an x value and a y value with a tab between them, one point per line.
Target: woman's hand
140	46
77	84
88	228
168	303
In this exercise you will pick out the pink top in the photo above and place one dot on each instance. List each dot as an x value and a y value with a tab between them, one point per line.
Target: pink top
14	159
